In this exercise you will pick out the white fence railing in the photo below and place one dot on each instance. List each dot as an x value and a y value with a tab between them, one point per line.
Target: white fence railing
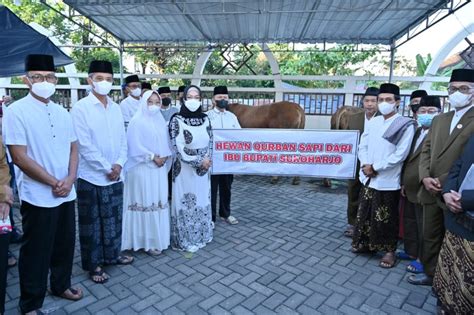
335	92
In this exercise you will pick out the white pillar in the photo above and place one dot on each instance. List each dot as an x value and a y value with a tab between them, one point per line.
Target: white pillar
443	53
199	67
275	72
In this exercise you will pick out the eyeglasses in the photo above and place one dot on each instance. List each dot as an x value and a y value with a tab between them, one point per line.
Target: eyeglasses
134	86
464	89
51	78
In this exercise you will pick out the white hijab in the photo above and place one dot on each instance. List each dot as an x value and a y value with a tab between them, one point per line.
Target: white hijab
147	134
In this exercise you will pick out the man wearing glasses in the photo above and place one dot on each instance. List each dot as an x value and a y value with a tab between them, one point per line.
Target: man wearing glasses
41	141
443	146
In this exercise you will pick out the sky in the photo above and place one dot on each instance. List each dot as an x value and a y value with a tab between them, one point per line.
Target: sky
432	39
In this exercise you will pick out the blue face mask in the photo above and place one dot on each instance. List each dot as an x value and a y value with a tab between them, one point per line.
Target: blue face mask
425	119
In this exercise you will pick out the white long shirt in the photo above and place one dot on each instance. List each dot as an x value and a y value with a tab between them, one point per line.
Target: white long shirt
223	120
385	157
129	107
102	142
47	132
457	117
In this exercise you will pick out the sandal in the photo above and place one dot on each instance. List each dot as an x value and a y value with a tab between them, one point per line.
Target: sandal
72	294
388	260
404	256
349	232
125	260
415	267
99	276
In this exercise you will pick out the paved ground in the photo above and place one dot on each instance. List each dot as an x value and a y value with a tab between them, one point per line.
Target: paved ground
286	256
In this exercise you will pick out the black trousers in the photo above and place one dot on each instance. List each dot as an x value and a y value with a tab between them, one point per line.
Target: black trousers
223	183
49	239
413	228
4	242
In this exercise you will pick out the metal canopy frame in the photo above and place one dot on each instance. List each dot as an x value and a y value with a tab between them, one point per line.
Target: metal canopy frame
436	12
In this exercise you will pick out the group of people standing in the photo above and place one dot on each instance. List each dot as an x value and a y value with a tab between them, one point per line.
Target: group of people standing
115	160
418	174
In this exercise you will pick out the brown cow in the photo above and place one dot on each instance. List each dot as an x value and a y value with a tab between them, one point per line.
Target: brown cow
340	121
284	114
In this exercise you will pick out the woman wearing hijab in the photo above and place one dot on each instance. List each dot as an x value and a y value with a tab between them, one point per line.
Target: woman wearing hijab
191	140
146	221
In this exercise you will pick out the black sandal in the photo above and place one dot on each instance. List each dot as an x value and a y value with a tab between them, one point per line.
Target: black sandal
98	273
125	260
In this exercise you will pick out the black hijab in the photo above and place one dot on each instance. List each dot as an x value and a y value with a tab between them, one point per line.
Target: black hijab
196	118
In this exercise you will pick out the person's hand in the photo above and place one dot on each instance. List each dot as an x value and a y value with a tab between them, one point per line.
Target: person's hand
63	187
432	185
114	175
8	194
368	170
402	191
453	201
206	163
159	161
4	210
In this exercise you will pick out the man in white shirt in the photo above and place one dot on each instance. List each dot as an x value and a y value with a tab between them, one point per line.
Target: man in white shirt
442	147
423	113
384	146
131	103
100	132
41	141
221	118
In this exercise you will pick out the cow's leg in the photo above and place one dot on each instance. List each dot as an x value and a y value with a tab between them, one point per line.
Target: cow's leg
296	180
327	182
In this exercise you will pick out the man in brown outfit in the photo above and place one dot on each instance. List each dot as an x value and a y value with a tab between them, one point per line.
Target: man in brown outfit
443	145
423	113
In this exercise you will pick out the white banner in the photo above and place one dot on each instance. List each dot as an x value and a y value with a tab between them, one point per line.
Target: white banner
312	153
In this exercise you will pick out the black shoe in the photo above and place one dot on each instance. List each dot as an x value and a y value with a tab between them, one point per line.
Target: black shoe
420	279
16	236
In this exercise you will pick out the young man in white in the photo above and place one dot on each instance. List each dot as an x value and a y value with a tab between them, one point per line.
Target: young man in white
100	131
131	103
384	146
221	118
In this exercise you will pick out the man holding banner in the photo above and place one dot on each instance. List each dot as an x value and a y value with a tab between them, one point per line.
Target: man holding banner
221	118
384	146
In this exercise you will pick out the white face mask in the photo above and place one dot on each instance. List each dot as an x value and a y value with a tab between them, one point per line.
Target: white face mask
386	108
43	89
136	92
193	104
458	99
153	109
102	87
